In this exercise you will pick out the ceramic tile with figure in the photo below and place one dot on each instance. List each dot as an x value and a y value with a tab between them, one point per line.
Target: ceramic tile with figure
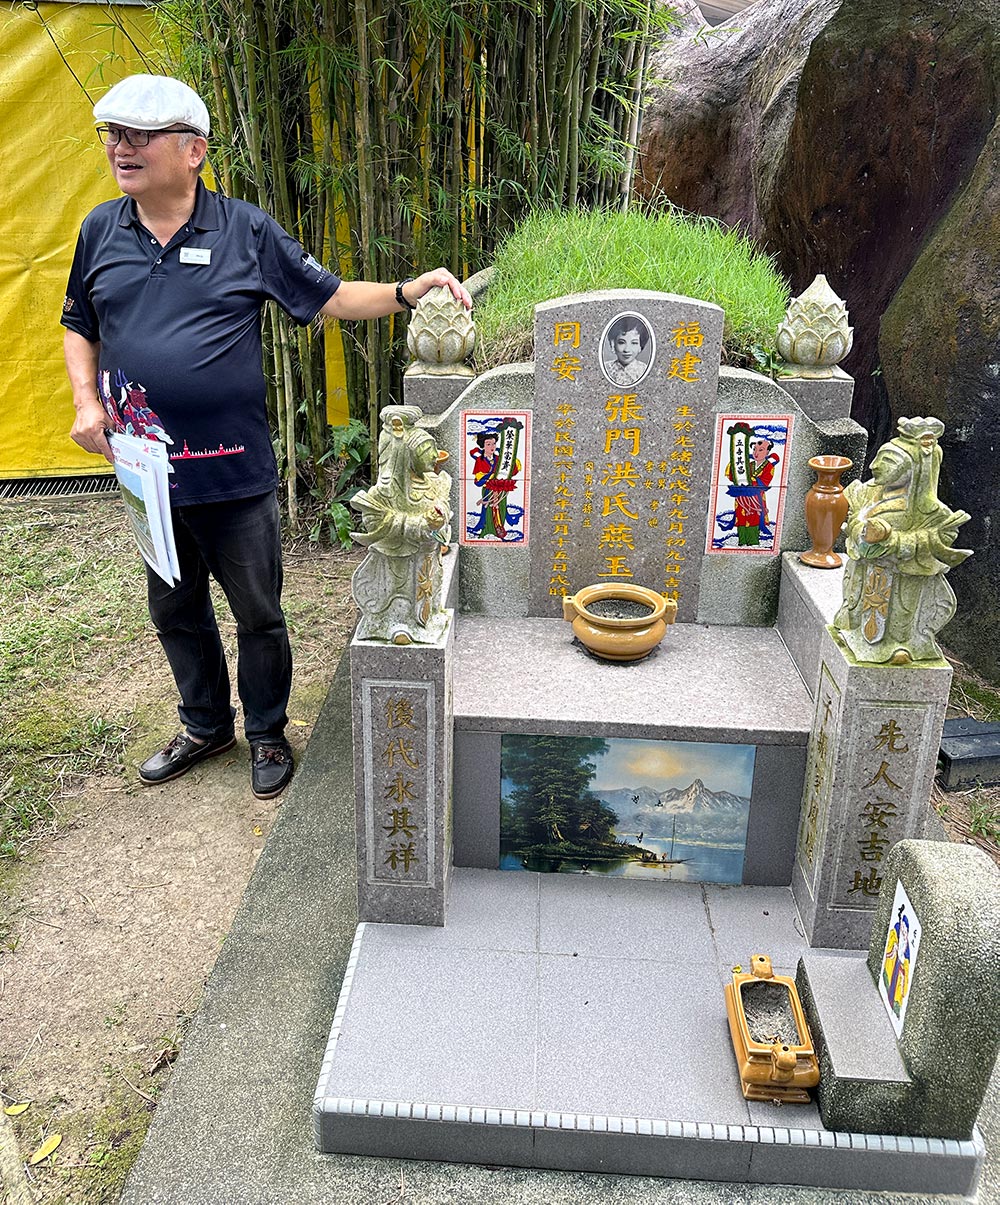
666	810
495	476
749	472
899	958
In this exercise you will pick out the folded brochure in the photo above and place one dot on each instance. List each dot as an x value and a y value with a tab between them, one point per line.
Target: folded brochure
142	469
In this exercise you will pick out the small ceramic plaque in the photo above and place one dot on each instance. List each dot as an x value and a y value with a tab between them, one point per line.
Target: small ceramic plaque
899	958
495	477
749	473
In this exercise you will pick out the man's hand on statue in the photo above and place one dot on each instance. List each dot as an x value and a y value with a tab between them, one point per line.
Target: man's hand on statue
90	430
439	278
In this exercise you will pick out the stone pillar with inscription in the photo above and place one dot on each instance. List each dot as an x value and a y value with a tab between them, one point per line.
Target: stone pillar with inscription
870	765
401	704
401	678
625	392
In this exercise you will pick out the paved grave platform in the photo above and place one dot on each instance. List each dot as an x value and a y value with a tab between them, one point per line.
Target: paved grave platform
564	1021
688	689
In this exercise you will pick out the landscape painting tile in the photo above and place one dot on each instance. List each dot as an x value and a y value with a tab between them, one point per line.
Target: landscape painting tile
665	810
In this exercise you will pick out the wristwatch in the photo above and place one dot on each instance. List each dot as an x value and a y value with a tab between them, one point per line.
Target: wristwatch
400	298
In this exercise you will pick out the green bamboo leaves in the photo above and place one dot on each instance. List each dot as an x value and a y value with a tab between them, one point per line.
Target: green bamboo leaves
395	135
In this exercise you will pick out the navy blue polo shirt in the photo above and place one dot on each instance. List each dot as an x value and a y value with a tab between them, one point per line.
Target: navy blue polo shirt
180	333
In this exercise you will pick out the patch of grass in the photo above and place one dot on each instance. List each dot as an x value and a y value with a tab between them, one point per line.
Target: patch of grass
972	695
553	254
979	700
97	1152
70	595
46	750
984	816
72	600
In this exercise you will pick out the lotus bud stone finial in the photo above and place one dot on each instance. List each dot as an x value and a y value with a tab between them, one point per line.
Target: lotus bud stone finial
815	334
440	336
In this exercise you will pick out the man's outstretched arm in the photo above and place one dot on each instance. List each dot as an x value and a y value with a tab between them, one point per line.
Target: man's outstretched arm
365	299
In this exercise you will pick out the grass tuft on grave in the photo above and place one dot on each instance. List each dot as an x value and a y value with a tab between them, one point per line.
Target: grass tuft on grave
553	254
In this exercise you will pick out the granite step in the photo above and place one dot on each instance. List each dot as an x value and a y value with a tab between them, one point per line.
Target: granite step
970	754
703	683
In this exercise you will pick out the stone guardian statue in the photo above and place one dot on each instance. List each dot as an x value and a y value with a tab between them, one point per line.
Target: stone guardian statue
899	545
406	517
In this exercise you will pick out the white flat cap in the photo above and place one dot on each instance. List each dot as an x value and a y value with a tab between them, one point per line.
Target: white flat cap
153	102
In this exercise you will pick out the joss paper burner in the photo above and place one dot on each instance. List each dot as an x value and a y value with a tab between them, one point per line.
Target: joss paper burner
774	1050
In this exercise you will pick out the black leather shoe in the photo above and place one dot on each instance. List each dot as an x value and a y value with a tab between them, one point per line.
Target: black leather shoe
179	756
271	767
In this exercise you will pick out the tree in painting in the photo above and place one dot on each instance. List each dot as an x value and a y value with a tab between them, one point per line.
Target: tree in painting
551	805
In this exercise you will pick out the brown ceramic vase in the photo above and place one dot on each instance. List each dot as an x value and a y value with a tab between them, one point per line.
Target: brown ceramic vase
826	511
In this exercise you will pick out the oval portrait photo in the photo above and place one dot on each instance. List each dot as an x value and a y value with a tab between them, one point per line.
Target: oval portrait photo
627	349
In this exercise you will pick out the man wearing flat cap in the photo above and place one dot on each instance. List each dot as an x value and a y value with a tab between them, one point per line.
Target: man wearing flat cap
163	329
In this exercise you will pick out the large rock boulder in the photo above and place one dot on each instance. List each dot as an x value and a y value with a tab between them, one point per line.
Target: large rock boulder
840	134
725	111
940	354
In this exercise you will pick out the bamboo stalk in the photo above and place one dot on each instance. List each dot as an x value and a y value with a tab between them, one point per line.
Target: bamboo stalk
457	74
366	198
573	106
418	130
633	129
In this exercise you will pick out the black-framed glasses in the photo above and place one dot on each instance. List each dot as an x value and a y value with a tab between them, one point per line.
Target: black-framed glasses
112	135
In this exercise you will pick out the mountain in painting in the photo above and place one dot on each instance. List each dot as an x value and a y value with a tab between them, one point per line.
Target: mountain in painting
700	814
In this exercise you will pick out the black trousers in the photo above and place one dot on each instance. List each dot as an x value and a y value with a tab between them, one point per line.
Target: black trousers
239	544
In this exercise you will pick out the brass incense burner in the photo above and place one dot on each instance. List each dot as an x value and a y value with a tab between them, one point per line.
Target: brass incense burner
774	1050
619	622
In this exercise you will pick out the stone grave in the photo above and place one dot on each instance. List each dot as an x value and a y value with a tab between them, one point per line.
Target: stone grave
970	754
528	997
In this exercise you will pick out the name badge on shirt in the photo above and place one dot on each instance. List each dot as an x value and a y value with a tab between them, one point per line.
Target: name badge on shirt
196	255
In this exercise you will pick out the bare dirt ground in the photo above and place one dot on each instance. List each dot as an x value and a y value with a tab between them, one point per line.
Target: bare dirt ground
115	916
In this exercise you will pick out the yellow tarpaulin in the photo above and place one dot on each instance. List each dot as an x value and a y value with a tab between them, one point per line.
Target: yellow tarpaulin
55	173
55	61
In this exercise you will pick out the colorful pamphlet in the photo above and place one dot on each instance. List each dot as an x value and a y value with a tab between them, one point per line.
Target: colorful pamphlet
142	468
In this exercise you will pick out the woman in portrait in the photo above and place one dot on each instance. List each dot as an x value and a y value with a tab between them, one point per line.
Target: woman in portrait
624	345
